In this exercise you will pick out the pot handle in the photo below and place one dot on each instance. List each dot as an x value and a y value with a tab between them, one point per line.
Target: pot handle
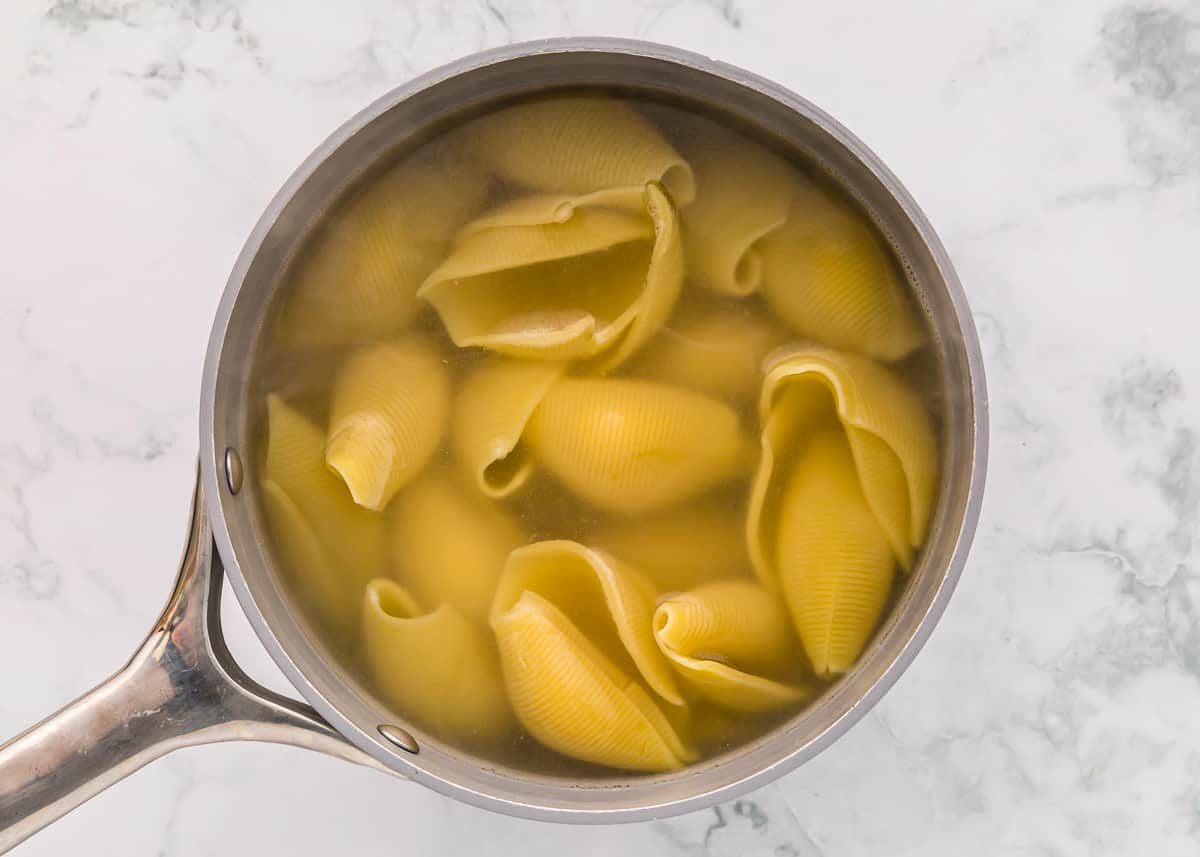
181	688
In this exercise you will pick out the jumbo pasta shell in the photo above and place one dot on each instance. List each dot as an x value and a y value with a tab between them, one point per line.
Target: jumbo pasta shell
717	349
493	407
610	602
551	278
449	544
329	547
579	145
358	280
680	548
634	446
387	416
732	642
836	565
437	668
570	696
826	273
890	433
743	194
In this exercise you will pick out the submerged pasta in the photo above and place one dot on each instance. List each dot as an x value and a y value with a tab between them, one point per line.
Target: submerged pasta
743	195
713	348
359	281
680	548
435	666
330	548
576	447
579	145
449	544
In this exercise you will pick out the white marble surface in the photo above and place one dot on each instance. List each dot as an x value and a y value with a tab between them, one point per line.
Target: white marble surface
1055	145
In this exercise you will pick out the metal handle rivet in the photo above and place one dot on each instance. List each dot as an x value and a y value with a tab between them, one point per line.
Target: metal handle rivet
233	470
400	737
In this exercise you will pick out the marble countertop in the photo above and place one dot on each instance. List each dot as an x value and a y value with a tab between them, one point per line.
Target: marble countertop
1056	146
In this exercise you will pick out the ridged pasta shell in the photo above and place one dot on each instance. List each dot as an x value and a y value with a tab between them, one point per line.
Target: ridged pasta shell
449	544
329	547
827	275
610	602
680	548
437	668
634	446
578	145
835	563
359	280
572	698
718	350
743	193
387	416
731	641
890	434
550	278
493	407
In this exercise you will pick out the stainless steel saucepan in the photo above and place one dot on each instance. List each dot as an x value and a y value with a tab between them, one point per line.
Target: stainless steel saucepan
183	688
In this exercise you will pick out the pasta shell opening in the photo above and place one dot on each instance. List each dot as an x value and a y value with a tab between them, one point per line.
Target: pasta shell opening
890	434
610	602
437	668
493	408
527	283
570	696
731	641
743	194
388	413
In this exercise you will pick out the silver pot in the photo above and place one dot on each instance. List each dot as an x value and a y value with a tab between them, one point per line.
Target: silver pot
183	688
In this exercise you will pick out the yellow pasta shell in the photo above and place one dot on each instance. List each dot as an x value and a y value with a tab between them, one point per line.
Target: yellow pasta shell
493	407
827	275
449	544
890	434
359	280
835	563
610	602
578	145
329	547
437	668
634	446
551	278
731	641
680	548
572	698
743	194
716	349
387	416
